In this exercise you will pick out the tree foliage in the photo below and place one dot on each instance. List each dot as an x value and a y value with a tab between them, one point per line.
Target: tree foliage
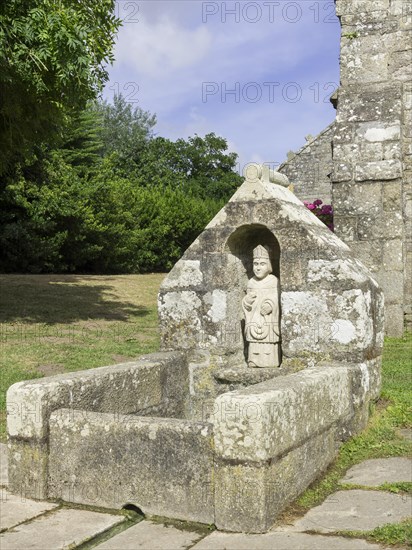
112	198
53	58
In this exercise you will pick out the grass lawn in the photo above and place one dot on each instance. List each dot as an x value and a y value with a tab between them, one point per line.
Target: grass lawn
51	324
58	323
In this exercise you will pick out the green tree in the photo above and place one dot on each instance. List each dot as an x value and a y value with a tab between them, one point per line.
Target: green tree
200	166
53	58
125	132
82	145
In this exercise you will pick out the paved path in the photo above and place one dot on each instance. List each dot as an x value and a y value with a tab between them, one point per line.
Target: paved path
27	524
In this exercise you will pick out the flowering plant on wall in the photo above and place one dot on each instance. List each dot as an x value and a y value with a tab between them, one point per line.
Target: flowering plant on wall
322	211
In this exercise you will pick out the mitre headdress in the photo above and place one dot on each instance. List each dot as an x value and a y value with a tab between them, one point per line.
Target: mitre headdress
262	252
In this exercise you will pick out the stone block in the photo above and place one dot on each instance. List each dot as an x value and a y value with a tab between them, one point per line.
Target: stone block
343	130
344	7
374	375
4	476
346	153
407	123
363	60
391	283
379	131
341	172
268	419
377	471
370	151
392	257
60	530
353	199
180	314
163	466
355	510
379	170
391	150
394	320
346	227
123	388
279	540
27	468
16	509
154	536
400	67
377	105
369	253
186	274
250	496
384	225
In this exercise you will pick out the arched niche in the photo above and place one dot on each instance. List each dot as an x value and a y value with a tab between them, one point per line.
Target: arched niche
245	238
239	249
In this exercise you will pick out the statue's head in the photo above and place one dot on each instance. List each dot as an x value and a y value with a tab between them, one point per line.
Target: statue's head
262	265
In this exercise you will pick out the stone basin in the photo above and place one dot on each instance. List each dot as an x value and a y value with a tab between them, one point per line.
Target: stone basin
123	435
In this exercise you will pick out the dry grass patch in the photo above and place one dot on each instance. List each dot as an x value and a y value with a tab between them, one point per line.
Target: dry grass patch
59	323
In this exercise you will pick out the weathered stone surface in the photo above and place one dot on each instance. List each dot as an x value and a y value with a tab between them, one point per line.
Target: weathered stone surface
394	320
391	282
62	530
379	131
27	468
280	433
31	402
268	419
16	509
377	471
378	170
309	169
4	478
295	236
246	376
163	466
355	510
353	199
281	541
380	226
249	496
371	134
154	536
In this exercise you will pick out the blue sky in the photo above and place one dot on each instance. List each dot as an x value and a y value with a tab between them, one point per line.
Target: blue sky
257	73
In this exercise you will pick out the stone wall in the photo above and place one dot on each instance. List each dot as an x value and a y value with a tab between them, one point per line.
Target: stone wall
371	180
369	148
308	170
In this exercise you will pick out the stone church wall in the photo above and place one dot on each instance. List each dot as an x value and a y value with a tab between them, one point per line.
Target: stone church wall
308	170
362	163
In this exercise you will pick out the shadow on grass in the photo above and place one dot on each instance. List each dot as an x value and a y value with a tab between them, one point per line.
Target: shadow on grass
55	299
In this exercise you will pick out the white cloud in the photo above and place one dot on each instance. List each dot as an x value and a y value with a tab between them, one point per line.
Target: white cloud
159	49
171	52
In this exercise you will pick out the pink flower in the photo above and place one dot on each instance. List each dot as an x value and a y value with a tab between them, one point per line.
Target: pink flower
311	206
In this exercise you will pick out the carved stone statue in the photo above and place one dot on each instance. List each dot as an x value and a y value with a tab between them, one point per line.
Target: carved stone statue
261	309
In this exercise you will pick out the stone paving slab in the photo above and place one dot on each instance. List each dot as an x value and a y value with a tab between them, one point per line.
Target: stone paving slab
59	530
154	536
354	510
16	509
377	471
281	541
3	465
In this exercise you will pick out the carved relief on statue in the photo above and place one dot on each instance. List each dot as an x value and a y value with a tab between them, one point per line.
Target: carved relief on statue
261	310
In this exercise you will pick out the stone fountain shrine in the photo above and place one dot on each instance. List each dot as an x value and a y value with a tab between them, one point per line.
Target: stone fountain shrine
271	336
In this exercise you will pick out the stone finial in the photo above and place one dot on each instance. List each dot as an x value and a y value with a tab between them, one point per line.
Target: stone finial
262	172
